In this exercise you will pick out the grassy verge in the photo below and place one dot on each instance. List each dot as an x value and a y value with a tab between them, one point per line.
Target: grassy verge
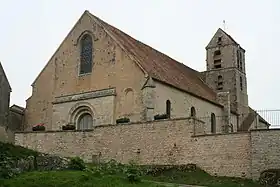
111	174
199	177
71	179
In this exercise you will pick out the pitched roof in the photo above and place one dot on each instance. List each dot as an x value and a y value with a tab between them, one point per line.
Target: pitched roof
221	31
2	69
160	66
246	124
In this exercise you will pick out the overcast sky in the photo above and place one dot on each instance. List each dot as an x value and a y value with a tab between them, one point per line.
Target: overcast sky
31	31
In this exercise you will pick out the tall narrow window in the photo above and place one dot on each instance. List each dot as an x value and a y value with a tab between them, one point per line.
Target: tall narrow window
239	60
241	83
219	41
86	54
220	82
168	108
193	112
213	123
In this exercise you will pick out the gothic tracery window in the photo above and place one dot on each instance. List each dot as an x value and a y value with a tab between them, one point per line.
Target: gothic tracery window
86	54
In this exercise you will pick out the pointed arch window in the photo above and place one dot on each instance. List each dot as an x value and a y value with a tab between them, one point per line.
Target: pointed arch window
193	112
213	123
86	54
168	108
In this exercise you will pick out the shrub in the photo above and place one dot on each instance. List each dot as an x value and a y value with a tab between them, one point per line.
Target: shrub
123	120
160	116
68	127
270	177
133	173
157	170
76	163
39	127
7	169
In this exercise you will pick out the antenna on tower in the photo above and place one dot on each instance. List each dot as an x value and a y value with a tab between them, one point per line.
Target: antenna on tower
224	25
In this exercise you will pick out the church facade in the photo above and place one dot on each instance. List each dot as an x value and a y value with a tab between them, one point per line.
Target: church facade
100	74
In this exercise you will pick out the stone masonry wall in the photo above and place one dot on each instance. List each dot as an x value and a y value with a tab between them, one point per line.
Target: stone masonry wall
265	150
112	67
181	104
162	142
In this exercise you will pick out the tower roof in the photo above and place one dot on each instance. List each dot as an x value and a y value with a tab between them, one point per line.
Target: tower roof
228	39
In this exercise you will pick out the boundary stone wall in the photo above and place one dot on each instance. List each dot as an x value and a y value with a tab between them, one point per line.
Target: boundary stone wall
265	146
157	142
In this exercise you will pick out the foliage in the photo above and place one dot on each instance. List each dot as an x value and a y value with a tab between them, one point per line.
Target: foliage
9	154
39	127
133	173
192	175
6	169
14	151
77	163
68	127
157	170
108	174
270	177
71	179
123	120
160	116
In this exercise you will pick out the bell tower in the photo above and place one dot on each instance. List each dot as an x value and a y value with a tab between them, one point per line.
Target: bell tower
225	62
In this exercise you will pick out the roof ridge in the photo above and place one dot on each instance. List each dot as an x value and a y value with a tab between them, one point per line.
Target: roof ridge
101	22
4	73
161	66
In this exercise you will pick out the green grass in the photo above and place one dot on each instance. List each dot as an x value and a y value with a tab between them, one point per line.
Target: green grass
201	178
70	179
111	174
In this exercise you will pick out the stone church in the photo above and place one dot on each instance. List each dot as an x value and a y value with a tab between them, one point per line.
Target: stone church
100	74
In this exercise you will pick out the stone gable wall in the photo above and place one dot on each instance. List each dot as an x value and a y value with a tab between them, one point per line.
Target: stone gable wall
162	142
112	68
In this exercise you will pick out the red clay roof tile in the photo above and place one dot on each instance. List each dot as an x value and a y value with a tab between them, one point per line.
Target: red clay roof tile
161	67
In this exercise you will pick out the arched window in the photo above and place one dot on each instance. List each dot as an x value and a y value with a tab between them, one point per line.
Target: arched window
213	123
85	122
193	112
168	108
86	54
231	127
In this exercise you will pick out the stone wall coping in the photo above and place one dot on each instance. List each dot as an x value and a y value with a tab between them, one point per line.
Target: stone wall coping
220	134
275	129
112	125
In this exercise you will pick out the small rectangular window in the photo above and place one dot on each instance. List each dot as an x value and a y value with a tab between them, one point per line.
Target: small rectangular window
219	40
217	53
218	63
